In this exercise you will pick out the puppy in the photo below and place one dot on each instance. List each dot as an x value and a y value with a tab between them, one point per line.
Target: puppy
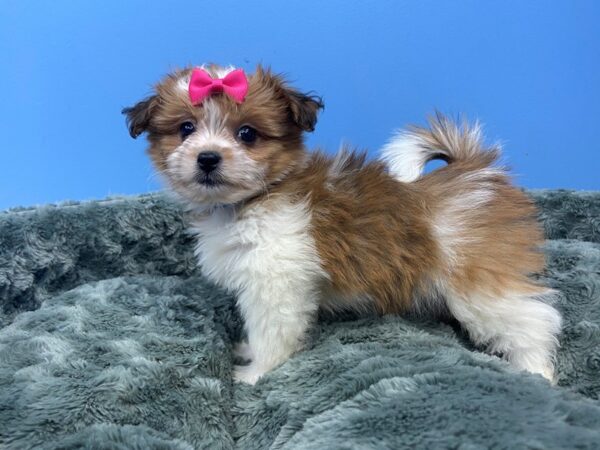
290	232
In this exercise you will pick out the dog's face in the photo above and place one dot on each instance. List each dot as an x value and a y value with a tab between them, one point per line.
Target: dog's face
219	151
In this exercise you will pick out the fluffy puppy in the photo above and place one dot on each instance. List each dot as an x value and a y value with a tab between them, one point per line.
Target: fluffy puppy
290	232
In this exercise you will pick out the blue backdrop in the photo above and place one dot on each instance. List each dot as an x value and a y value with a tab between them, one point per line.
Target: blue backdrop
529	70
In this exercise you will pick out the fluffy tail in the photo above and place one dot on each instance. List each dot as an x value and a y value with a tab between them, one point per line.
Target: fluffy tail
409	150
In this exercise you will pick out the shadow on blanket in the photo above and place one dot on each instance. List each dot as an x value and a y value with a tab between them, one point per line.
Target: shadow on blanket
111	339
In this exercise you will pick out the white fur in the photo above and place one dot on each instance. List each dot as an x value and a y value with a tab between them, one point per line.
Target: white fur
453	221
219	72
521	327
405	155
213	123
339	162
213	135
268	258
183	84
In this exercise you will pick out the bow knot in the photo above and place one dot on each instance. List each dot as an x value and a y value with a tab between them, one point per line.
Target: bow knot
202	85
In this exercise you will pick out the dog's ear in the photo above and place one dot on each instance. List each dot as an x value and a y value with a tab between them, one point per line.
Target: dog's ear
304	108
139	115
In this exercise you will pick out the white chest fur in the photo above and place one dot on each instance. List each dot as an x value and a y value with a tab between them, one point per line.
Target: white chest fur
270	240
266	256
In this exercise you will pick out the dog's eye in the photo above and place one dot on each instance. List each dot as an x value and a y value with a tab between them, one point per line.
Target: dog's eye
186	128
246	134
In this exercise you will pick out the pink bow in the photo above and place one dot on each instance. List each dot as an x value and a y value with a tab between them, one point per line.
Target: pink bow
202	85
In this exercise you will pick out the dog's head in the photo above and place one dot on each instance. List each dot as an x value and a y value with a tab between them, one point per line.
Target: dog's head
222	149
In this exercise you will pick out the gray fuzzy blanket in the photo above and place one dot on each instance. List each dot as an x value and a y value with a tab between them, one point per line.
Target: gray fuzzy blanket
110	338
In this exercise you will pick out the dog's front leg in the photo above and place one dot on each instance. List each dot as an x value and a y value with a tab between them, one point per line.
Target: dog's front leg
277	312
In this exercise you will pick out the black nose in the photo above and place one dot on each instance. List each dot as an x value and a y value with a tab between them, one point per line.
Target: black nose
208	161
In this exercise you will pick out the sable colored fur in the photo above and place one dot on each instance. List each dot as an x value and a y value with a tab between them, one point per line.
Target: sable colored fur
290	231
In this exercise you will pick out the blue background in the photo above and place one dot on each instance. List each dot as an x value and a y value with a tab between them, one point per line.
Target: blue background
529	70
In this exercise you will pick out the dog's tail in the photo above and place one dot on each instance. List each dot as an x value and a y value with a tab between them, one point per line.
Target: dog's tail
409	150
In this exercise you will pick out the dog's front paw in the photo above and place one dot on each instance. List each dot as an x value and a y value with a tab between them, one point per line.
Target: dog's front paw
247	374
242	350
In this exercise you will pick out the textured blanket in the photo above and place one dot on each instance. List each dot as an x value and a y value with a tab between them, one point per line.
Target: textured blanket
110	338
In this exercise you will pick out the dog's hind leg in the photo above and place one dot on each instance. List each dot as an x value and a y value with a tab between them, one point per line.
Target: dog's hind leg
522	327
